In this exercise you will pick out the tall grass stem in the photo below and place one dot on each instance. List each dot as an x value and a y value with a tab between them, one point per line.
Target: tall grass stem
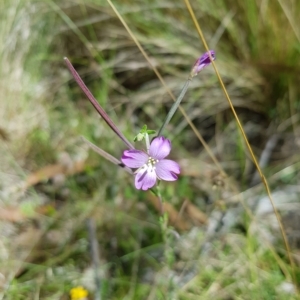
263	179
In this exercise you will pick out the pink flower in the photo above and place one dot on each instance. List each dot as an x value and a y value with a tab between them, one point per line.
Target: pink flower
202	62
153	165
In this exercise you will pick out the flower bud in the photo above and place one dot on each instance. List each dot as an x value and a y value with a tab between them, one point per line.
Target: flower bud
202	62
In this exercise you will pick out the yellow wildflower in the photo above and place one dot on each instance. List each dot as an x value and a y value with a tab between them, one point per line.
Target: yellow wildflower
78	293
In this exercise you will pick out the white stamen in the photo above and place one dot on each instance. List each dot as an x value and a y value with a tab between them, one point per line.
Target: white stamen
149	165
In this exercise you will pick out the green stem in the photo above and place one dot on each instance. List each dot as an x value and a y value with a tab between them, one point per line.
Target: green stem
167	241
161	201
174	106
147	142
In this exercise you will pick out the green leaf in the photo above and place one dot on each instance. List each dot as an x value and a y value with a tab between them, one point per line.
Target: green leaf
144	128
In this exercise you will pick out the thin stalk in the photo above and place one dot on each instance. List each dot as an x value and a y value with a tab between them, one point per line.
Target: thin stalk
96	105
263	179
174	107
107	156
288	14
147	142
94	249
161	201
197	133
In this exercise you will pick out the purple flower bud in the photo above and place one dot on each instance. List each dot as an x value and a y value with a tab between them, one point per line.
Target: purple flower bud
202	62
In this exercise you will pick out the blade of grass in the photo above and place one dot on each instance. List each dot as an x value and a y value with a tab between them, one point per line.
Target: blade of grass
197	133
287	12
263	179
73	27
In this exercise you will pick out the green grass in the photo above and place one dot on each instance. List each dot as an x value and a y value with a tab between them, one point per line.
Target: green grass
45	252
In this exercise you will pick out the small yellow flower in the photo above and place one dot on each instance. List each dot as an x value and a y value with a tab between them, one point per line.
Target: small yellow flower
78	293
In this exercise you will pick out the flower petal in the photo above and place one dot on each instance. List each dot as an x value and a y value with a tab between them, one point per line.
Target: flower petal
167	169
202	62
145	179
160	148
134	158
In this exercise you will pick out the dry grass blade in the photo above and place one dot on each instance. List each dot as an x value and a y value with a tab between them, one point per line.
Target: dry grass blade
287	12
263	179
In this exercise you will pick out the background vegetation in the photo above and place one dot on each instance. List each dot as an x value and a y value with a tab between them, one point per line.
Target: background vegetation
225	242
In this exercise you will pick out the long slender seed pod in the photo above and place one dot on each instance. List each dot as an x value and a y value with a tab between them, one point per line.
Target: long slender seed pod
96	105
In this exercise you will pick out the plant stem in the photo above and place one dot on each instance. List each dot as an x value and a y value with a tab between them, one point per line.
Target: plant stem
174	106
107	156
168	250
147	142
